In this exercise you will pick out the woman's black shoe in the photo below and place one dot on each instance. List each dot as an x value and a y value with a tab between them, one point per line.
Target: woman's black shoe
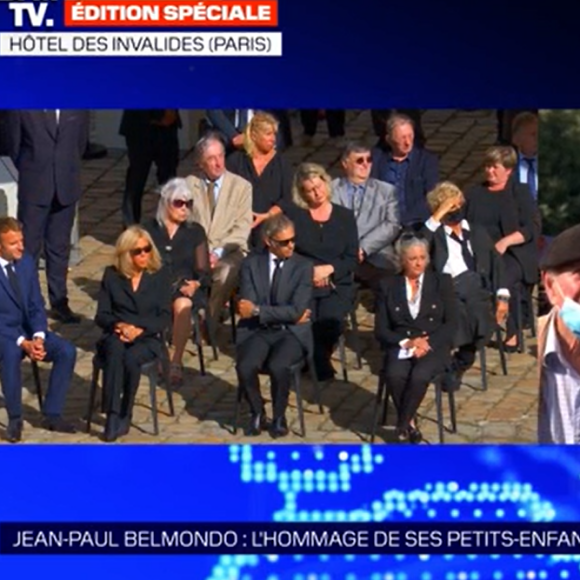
111	428
415	436
511	348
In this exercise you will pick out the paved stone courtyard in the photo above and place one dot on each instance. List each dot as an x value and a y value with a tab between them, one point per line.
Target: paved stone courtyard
505	413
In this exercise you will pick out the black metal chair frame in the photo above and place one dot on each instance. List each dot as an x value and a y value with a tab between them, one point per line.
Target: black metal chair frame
384	394
151	371
295	371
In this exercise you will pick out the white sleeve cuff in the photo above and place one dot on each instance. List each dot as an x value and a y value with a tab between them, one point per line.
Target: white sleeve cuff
20	340
503	293
404	343
219	252
40	335
433	224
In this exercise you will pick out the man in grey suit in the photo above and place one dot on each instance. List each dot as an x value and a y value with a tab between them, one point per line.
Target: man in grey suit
275	330
375	207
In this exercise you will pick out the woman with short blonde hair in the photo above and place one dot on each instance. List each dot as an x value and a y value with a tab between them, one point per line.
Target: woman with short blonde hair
133	310
264	167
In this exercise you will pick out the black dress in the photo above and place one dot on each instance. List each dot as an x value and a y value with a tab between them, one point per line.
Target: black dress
270	188
186	256
333	242
502	213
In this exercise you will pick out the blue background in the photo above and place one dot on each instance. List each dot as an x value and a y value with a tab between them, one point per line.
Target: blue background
292	483
342	55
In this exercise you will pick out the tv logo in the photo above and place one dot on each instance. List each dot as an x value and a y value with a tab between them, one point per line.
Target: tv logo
31	13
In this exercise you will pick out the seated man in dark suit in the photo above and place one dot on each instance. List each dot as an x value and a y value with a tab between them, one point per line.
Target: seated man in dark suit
413	171
465	252
274	331
24	332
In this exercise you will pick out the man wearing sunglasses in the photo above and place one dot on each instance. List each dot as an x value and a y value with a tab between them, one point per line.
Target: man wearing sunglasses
274	331
374	204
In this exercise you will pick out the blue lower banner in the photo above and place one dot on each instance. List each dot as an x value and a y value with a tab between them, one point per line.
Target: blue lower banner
531	493
288	538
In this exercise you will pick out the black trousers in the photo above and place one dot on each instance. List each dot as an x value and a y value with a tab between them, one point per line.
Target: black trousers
514	279
49	226
335	120
328	314
408	380
122	370
272	351
159	145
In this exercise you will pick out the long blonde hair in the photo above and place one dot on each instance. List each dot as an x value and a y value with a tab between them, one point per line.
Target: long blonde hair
126	242
258	123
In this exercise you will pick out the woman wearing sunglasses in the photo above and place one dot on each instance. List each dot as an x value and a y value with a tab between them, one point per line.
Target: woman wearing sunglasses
134	308
183	246
414	324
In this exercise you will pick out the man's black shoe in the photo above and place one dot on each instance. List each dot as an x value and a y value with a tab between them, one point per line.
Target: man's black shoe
58	425
64	314
280	428
258	423
14	430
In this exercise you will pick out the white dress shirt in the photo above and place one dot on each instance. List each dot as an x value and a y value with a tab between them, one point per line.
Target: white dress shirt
273	264
455	264
5	264
559	421
414	305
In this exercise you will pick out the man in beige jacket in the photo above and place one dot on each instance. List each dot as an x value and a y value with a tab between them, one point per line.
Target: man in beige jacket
222	204
559	342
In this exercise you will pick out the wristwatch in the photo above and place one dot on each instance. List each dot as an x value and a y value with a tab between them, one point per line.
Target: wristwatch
256	311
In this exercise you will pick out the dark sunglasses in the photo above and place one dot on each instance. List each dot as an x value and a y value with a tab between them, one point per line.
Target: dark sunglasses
138	251
179	203
284	243
411	235
361	160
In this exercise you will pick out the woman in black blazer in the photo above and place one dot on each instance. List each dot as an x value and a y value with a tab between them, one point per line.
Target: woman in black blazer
184	251
415	322
505	209
134	308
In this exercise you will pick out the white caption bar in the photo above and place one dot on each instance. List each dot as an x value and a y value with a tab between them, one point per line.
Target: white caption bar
141	44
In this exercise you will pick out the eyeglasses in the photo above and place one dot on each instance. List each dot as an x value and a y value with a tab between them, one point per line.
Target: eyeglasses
138	251
284	243
408	235
179	203
361	160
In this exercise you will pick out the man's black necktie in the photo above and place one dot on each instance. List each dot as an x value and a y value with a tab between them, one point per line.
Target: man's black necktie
274	285
13	280
467	255
532	176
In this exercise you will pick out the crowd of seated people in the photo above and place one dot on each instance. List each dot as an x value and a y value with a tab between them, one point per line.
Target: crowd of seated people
291	248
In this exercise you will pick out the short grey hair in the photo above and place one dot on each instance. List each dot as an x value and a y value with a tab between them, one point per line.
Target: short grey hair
205	142
275	225
409	240
176	188
398	119
353	147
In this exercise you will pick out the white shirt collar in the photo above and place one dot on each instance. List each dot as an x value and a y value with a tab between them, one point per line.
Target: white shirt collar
4	263
218	182
464	226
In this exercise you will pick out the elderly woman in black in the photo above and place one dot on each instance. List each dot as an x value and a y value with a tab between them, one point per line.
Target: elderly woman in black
505	209
133	310
327	234
414	324
183	246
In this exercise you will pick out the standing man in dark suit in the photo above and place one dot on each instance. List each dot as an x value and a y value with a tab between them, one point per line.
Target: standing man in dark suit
413	171
275	331
151	137
24	332
47	148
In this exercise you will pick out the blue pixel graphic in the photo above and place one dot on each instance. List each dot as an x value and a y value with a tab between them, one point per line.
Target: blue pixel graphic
351	484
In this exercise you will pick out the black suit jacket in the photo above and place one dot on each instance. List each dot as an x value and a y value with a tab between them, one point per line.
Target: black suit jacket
294	296
135	122
437	315
48	162
422	176
148	308
488	263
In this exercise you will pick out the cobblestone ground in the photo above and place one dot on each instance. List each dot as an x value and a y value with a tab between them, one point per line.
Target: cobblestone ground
204	405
